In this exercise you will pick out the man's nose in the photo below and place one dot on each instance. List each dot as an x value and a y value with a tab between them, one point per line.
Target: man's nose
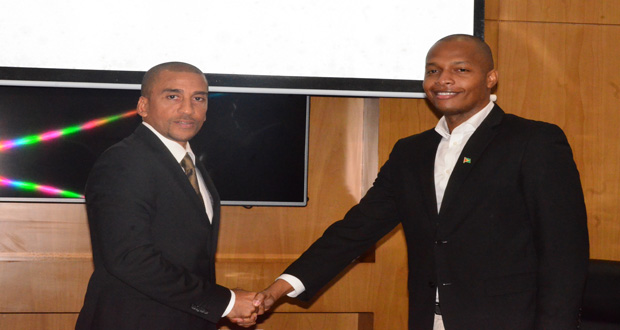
186	106
445	79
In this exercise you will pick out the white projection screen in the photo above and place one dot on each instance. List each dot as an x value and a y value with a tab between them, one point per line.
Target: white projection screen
319	47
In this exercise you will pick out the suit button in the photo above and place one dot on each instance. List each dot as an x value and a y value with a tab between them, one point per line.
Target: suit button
439	242
432	284
200	309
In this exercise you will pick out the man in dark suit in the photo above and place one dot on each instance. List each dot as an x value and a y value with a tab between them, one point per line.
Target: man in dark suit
154	219
491	206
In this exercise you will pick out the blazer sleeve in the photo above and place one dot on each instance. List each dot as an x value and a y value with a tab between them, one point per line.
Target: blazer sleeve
555	202
345	240
120	197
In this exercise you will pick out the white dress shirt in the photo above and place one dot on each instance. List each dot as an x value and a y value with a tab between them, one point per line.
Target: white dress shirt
451	146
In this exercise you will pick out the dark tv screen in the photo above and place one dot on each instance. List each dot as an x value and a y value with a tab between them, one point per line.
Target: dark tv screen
254	146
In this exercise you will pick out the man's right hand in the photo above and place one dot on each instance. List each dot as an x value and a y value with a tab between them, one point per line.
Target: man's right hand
244	312
267	298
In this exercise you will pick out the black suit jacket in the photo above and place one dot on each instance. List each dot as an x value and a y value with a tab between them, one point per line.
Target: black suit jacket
153	245
509	248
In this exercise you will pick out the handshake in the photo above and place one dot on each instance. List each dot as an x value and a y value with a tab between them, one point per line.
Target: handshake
248	305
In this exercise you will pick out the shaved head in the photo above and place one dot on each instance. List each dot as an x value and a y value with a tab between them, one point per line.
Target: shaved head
459	77
483	50
151	76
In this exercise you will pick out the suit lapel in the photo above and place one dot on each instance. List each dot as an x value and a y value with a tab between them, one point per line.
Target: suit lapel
171	165
215	222
470	156
424	164
215	197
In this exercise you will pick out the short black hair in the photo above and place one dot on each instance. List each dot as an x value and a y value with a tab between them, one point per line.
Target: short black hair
150	76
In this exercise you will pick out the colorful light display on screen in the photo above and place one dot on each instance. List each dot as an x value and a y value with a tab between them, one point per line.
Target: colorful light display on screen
30	139
29	186
47	136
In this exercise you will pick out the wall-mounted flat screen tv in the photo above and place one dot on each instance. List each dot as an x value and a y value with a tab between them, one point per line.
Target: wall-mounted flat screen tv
253	145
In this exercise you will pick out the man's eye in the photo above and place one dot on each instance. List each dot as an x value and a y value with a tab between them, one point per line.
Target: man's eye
199	98
462	70
432	71
172	97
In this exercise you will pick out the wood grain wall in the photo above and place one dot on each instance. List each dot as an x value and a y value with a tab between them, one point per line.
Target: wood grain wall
557	62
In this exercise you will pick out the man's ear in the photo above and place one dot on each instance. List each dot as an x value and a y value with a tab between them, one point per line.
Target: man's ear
143	106
492	79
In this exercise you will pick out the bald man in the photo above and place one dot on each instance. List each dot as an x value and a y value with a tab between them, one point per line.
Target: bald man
491	205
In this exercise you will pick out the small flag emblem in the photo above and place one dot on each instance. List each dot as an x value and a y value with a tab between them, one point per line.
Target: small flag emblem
466	160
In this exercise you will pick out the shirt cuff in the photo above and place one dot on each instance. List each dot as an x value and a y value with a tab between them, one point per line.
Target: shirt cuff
298	287
231	304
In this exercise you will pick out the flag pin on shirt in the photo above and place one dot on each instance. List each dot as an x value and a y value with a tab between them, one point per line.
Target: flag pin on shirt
466	160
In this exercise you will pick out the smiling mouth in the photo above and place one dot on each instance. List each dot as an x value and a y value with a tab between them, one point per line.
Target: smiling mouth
185	123
445	95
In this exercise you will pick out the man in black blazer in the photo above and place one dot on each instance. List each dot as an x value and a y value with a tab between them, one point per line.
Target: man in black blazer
154	219
491	206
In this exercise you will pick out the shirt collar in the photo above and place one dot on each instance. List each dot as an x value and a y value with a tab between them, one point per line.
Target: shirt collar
178	152
470	125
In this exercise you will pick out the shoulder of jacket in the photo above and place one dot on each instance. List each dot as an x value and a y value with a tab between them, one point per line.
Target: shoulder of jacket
531	126
421	137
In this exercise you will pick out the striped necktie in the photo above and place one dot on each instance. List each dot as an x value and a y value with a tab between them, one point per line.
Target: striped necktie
190	171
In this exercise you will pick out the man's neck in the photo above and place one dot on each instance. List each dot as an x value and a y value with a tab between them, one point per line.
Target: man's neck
454	121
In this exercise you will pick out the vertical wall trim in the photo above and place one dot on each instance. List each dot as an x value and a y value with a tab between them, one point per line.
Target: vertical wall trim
370	137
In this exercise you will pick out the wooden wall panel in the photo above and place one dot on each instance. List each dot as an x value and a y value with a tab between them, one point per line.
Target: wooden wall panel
37	321
45	257
50	285
491	10
39	230
45	264
567	74
600	12
305	321
401	118
276	321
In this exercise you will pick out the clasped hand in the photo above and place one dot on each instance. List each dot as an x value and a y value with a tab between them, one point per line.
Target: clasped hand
248	305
